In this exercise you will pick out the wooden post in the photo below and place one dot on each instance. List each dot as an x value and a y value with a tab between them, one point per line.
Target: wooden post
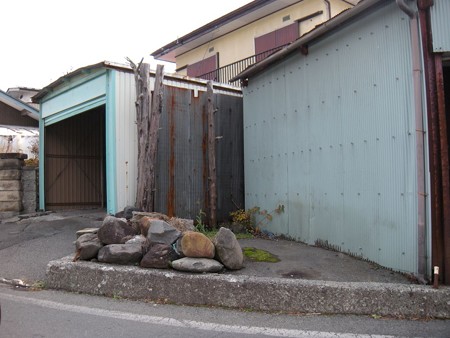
211	157
154	127
147	121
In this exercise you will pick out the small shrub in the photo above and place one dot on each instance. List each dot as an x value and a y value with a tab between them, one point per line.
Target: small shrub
199	225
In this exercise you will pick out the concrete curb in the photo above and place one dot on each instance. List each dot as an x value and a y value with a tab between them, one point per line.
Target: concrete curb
248	292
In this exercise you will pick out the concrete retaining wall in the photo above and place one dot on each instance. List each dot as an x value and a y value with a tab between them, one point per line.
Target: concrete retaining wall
248	292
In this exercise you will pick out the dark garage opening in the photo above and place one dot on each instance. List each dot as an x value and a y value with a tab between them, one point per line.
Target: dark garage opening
75	162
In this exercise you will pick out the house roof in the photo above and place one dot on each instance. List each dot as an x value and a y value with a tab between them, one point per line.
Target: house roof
236	19
126	68
19	105
320	31
104	64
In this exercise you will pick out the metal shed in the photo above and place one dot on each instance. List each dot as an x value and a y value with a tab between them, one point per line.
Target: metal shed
88	134
337	130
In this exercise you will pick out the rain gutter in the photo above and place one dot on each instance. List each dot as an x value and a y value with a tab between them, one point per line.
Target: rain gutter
303	41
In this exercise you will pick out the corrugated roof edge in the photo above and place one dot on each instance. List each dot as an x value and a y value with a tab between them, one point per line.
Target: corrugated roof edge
318	32
104	64
19	105
113	65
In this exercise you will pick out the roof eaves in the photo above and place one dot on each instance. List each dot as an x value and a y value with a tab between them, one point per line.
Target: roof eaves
19	105
210	26
104	64
315	34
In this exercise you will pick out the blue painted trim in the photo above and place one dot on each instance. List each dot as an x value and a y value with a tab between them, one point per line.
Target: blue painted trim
72	84
110	121
41	165
78	109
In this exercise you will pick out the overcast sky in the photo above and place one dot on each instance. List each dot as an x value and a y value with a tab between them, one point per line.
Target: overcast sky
42	40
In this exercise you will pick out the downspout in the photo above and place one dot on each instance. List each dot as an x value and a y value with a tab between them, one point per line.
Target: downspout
420	136
327	3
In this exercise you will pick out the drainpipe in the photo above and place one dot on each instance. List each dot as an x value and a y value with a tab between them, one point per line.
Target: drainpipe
406	9
327	3
420	136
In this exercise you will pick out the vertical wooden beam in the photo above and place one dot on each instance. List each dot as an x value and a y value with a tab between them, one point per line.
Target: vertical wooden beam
154	127
211	157
142	76
147	122
445	270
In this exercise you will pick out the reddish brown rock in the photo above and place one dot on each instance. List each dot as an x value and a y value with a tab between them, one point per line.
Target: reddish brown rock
196	245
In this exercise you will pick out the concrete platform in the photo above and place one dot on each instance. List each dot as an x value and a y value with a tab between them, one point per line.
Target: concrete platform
249	292
306	280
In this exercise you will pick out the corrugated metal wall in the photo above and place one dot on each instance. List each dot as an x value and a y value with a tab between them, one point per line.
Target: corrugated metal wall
125	139
440	25
182	173
331	136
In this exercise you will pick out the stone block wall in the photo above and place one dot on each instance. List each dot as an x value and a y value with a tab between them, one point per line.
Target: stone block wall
18	191
29	189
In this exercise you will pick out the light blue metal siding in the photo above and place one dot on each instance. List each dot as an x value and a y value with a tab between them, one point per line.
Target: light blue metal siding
125	143
331	136
79	95
440	25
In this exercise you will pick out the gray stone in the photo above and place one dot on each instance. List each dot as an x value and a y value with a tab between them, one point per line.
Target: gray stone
182	224
8	185
11	163
86	231
113	230
14	206
9	196
228	249
120	254
162	232
128	212
197	265
10	174
138	239
159	256
88	246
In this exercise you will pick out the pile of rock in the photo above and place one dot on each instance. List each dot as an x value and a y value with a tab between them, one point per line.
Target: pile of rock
154	240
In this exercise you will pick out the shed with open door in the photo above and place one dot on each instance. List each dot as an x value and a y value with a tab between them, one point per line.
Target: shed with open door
88	141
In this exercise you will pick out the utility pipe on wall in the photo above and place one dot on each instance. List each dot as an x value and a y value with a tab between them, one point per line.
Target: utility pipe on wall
420	137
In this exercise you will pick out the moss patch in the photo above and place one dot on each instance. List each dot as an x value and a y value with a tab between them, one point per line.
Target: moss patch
259	255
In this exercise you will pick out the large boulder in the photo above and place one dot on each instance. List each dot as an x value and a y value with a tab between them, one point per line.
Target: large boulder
142	221
228	249
114	230
197	265
87	246
159	256
162	232
137	239
195	245
120	254
182	224
144	224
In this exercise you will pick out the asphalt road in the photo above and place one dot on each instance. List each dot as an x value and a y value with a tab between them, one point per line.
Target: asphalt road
28	245
59	314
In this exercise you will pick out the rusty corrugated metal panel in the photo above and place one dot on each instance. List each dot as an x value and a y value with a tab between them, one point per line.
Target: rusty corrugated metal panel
440	25
229	154
73	161
331	136
182	168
